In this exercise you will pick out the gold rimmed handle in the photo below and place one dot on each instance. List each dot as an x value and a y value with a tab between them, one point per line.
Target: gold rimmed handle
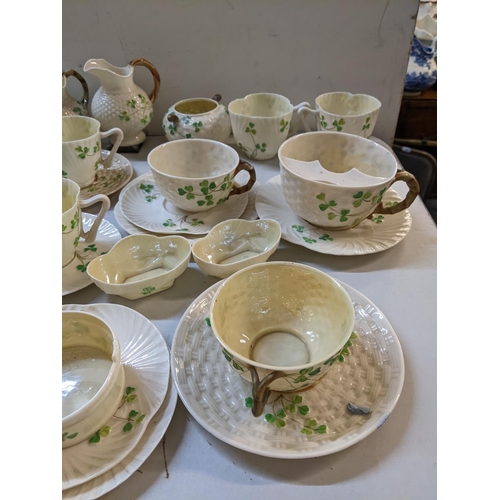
243	165
83	83
413	192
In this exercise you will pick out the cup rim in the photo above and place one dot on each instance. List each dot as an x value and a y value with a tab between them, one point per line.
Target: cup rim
257	116
77	196
284	368
330	133
83	118
171	144
195	99
376	101
107	385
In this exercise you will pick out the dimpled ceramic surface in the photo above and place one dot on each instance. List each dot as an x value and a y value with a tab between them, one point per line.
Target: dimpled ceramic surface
213	124
336	206
370	236
143	205
141	265
109	180
74	275
146	361
95	488
372	375
235	244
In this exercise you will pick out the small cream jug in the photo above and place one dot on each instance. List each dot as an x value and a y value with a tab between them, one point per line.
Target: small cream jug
119	102
71	106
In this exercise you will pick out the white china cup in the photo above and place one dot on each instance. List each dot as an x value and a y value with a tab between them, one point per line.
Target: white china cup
281	326
335	206
93	379
261	122
72	229
343	112
81	148
196	175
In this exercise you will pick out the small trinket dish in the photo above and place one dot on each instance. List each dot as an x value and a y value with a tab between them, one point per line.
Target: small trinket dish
235	244
141	265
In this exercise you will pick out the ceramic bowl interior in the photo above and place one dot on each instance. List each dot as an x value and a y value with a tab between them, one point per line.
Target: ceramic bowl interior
90	363
338	152
235	244
346	104
77	128
261	105
193	159
282	315
195	106
139	259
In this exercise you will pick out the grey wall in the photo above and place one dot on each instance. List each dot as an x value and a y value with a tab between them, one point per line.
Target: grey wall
297	48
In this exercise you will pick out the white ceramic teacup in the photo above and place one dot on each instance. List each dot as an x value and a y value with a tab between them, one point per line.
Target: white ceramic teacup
281	326
343	112
261	122
81	148
72	228
196	175
341	205
93	378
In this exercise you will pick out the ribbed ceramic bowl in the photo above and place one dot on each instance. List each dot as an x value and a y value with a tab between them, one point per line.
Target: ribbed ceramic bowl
235	244
141	265
282	316
93	379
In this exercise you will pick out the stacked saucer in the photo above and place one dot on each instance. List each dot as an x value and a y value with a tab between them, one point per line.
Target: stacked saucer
96	465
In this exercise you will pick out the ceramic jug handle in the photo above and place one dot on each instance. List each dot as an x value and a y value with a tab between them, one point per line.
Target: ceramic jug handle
91	234
154	72
293	130
243	165
260	388
119	133
414	190
83	83
303	110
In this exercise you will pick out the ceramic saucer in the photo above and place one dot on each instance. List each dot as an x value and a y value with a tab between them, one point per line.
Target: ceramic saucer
104	483
109	180
74	275
370	236
146	362
309	424
144	206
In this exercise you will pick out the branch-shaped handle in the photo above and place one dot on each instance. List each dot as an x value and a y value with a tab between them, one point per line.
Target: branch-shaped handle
414	190
83	83
243	165
156	76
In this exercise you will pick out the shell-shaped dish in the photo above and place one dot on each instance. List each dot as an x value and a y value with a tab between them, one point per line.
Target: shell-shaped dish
235	244
141	265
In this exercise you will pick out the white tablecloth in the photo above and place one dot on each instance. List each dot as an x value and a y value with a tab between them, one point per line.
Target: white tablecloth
398	461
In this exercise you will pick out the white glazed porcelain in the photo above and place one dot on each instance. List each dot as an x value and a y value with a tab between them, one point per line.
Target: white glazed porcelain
261	122
317	423
146	364
343	112
235	244
72	228
199	118
338	207
109	180
282	324
119	102
196	175
143	205
71	106
93	379
81	148
74	275
369	236
141	265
